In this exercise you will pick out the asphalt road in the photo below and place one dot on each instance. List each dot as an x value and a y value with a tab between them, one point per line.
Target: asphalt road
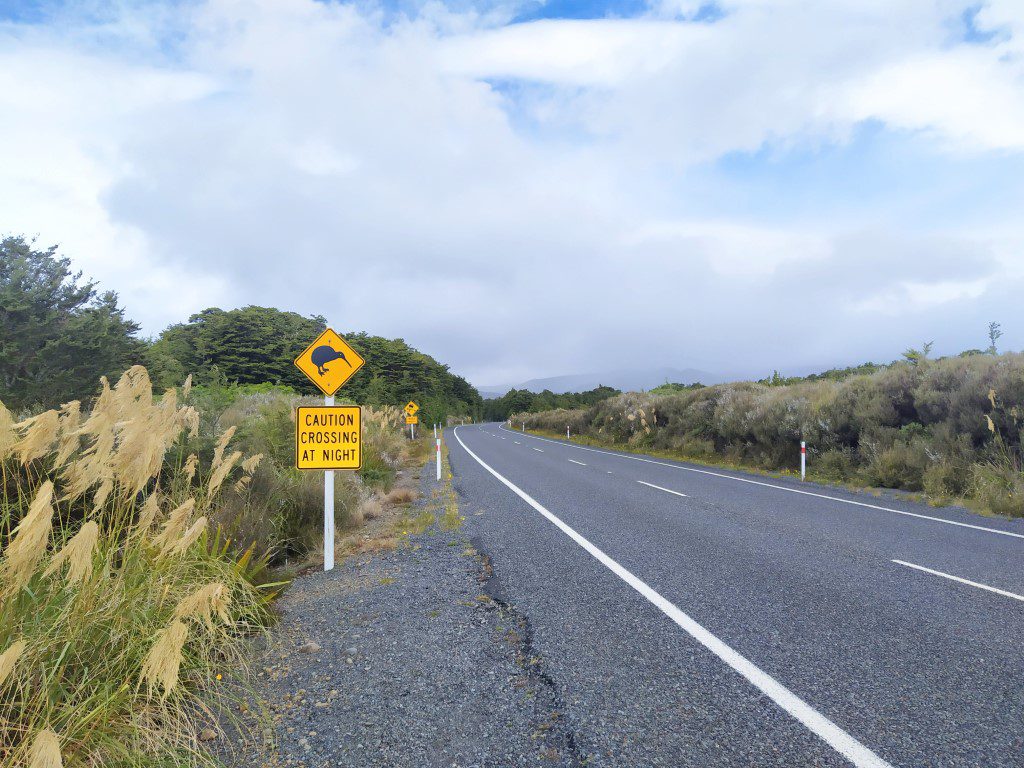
695	617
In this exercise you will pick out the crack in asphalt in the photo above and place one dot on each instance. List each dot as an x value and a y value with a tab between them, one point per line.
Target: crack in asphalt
549	716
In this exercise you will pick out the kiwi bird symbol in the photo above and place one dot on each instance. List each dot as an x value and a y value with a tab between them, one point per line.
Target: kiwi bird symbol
325	354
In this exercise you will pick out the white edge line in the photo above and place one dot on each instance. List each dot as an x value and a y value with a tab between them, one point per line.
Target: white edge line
783	488
832	734
577	462
950	576
666	490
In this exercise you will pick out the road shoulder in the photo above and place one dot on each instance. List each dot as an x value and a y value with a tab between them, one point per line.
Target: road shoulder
406	657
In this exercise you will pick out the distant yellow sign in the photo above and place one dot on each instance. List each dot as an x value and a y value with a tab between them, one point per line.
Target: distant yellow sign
411	408
328	437
412	419
329	362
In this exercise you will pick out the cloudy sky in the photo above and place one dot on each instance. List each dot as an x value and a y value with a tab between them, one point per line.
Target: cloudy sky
527	189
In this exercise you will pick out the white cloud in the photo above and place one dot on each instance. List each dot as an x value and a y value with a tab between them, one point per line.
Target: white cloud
320	158
968	98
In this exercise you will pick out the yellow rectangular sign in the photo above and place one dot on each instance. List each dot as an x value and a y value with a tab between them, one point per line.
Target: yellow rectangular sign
412	419
328	437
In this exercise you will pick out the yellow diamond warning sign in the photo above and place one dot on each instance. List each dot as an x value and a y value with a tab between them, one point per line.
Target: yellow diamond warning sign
411	408
329	362
328	437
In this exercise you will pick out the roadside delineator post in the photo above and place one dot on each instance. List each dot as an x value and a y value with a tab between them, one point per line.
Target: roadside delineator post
803	460
438	442
566	431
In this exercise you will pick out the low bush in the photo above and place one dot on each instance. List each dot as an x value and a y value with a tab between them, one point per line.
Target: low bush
999	486
835	464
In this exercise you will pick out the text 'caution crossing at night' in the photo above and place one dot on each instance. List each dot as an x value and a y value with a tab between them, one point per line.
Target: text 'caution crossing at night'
328	437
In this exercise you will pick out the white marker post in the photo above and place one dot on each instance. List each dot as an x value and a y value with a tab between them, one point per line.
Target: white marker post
328	510
438	441
566	431
803	460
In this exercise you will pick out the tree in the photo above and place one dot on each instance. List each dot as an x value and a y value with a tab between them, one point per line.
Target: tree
993	336
918	356
57	334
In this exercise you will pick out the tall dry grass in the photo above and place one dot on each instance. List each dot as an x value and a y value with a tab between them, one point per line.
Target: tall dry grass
122	617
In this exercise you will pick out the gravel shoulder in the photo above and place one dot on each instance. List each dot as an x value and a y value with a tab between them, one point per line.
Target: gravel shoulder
408	657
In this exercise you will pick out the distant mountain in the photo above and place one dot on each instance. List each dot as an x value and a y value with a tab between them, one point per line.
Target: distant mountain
627	381
490	393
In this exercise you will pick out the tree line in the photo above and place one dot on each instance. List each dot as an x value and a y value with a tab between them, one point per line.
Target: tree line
525	401
59	334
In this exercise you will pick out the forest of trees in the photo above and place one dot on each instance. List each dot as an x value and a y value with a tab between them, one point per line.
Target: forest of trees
58	335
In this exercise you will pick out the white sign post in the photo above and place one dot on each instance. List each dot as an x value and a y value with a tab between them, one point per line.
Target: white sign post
328	510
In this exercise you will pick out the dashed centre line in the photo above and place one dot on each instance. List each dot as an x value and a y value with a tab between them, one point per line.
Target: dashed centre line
538	450
577	462
666	490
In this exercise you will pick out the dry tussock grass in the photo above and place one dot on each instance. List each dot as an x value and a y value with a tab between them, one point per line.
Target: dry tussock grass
401	495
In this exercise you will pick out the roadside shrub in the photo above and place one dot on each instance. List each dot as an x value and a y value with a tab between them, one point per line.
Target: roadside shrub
946	480
999	487
693	447
900	465
377	473
836	464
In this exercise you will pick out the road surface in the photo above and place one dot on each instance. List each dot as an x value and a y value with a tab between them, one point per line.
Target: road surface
696	617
